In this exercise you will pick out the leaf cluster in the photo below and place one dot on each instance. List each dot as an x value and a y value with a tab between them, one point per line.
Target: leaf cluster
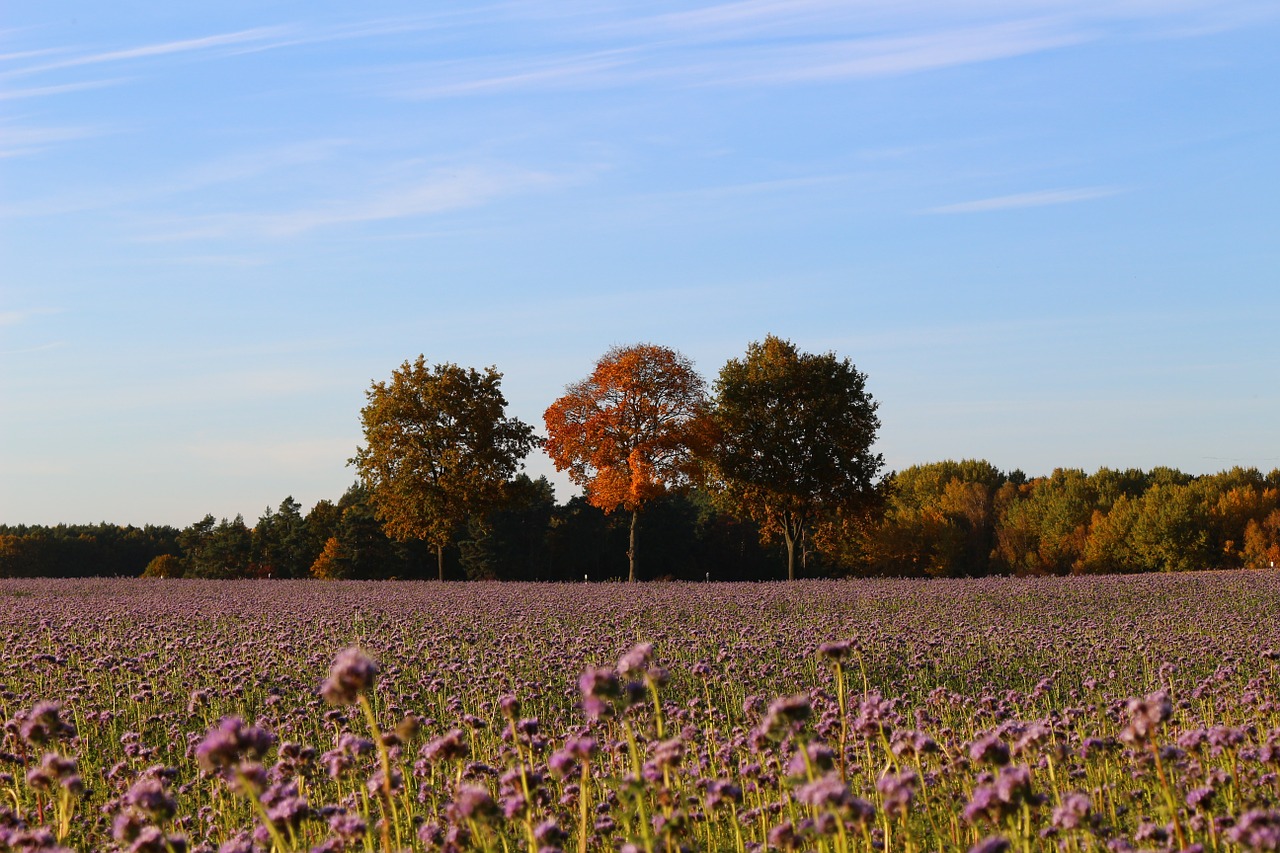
633	428
438	447
794	435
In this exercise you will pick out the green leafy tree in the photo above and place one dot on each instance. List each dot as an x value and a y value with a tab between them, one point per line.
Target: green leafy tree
1042	528
438	448
939	520
280	542
222	549
794	432
1109	548
1170	533
511	542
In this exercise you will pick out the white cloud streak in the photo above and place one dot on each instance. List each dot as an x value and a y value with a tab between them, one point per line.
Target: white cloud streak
442	192
151	50
16	140
1043	198
788	42
61	89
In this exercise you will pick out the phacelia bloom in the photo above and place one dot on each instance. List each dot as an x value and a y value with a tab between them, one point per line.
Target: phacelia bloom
1148	831
447	747
636	661
783	836
348	826
600	689
474	803
989	749
984	804
785	713
1201	798
1224	737
1145	716
835	651
562	763
1074	809
126	826
829	792
814	758
991	844
231	740
549	832
351	675
149	797
44	724
912	742
55	769
1258	829
151	840
874	715
897	790
581	747
668	753
722	792
1035	734
249	779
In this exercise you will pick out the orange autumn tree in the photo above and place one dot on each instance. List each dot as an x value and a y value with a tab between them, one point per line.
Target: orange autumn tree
631	430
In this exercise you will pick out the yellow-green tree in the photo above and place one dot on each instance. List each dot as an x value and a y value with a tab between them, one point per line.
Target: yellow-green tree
1042	527
939	520
794	435
438	447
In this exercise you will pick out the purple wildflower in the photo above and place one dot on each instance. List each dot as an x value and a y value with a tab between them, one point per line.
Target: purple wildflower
229	741
991	844
1145	716
897	791
350	676
1258	829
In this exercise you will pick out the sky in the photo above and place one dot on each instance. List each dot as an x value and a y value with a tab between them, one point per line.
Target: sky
1047	231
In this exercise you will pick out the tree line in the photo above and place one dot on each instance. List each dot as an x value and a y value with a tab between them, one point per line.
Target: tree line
944	519
772	464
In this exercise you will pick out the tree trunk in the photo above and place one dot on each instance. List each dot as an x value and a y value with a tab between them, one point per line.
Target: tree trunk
440	561
631	550
791	552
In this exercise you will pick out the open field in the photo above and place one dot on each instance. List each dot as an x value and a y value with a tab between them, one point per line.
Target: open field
1071	714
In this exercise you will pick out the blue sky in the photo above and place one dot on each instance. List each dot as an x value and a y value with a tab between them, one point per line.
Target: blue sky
1047	231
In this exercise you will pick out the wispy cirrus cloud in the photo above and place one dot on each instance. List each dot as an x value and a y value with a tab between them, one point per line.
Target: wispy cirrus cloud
234	42
789	42
1042	198
165	48
438	193
17	140
59	89
232	168
785	62
444	80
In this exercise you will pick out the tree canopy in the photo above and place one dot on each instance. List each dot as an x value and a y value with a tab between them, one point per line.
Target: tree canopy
631	430
438	449
794	435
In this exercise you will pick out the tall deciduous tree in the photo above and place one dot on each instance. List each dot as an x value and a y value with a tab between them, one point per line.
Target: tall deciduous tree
439	446
631	430
795	433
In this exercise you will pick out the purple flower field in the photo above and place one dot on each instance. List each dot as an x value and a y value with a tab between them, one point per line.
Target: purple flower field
999	714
